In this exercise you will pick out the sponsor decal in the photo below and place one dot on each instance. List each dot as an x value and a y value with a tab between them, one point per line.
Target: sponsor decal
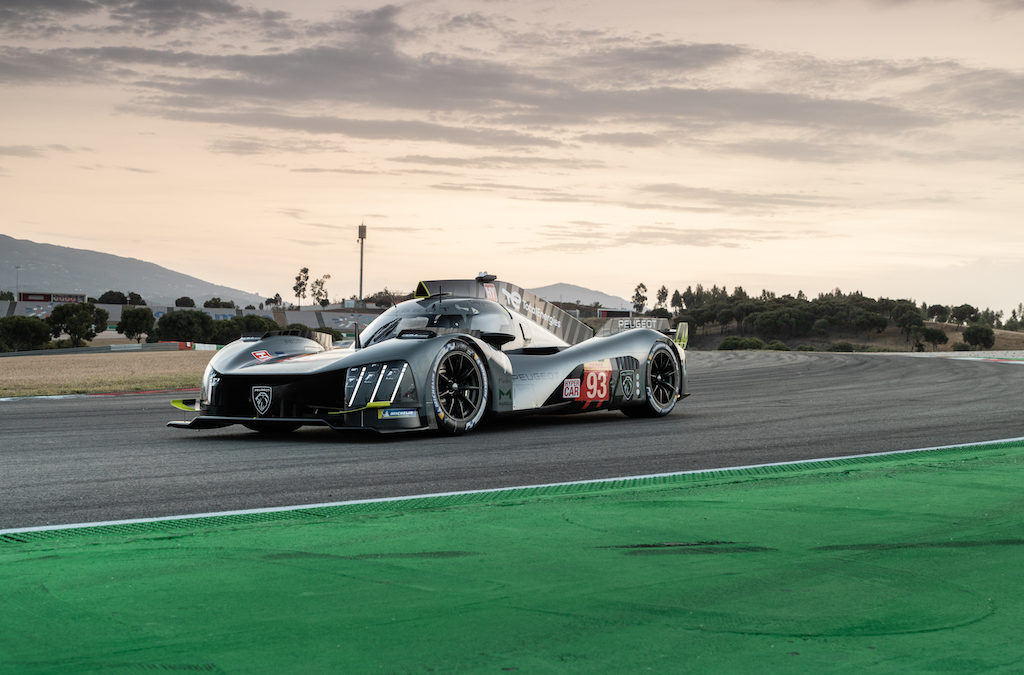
261	397
595	387
626	384
394	413
531	377
515	300
492	294
512	298
626	324
262	355
571	389
504	393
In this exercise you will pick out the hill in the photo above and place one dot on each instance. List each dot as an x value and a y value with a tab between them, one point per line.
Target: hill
580	295
60	269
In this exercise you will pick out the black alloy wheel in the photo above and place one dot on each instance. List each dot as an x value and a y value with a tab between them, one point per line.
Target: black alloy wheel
664	380
460	389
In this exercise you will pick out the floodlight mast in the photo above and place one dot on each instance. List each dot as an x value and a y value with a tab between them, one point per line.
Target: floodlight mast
362	239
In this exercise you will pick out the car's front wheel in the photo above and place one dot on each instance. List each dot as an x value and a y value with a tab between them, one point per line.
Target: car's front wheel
664	379
458	388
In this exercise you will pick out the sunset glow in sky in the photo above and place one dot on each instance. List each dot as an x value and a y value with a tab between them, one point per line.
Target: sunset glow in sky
788	145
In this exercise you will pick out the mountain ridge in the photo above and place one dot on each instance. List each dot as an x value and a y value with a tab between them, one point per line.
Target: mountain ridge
49	268
562	292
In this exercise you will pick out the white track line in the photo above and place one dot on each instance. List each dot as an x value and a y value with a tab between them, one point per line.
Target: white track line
383	500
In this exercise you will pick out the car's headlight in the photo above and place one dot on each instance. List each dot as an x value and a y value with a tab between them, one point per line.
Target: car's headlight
388	382
211	378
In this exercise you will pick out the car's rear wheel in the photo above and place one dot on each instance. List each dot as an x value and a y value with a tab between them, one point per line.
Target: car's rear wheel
664	379
458	388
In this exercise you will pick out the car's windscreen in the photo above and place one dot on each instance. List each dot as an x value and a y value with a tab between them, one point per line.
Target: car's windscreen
448	315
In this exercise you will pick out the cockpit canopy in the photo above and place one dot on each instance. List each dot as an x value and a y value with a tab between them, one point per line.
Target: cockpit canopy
471	316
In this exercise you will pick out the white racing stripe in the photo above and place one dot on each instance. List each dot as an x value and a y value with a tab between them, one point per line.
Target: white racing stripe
383	500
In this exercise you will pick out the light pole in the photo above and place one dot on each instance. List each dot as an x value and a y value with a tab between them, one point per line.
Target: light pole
17	283
362	238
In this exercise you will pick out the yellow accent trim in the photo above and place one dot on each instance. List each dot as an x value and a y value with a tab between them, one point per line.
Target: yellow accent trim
421	291
369	406
185	404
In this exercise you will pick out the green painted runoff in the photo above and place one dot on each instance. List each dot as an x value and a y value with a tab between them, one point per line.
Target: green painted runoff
908	563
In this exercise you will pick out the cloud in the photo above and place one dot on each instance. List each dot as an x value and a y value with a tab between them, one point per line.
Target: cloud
583	236
248	146
20	151
36	151
666	197
626	139
410	130
42	16
729	200
362	172
390	74
499	161
25	66
325	226
655	58
139	17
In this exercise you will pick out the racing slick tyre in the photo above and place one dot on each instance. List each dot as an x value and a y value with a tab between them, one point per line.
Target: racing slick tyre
272	427
458	388
664	378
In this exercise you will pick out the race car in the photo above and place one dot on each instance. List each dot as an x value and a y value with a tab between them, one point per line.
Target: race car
458	352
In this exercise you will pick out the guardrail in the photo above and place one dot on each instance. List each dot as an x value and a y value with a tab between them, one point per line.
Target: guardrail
106	349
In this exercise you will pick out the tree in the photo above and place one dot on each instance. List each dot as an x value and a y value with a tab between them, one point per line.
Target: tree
639	298
229	330
136	322
216	303
186	325
677	301
938	313
113	298
724	317
136	299
277	301
934	336
79	320
184	301
662	296
301	282
907	317
980	335
23	333
318	292
7	295
962	314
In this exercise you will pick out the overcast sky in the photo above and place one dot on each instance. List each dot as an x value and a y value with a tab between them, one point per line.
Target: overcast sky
788	145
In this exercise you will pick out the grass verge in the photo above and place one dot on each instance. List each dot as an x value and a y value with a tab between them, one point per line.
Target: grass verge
55	374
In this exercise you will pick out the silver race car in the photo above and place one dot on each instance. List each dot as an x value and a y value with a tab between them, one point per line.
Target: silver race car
458	351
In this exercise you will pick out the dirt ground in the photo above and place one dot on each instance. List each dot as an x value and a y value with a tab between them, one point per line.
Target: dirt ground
889	340
101	373
54	374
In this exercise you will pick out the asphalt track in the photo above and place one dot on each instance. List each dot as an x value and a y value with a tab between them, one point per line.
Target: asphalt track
110	458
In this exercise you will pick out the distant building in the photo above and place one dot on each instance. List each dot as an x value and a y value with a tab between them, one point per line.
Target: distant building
613	313
54	298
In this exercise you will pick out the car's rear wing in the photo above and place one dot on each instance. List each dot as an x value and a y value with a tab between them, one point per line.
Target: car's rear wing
521	301
680	335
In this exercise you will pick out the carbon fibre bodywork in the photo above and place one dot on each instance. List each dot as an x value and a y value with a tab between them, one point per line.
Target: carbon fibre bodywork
444	360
